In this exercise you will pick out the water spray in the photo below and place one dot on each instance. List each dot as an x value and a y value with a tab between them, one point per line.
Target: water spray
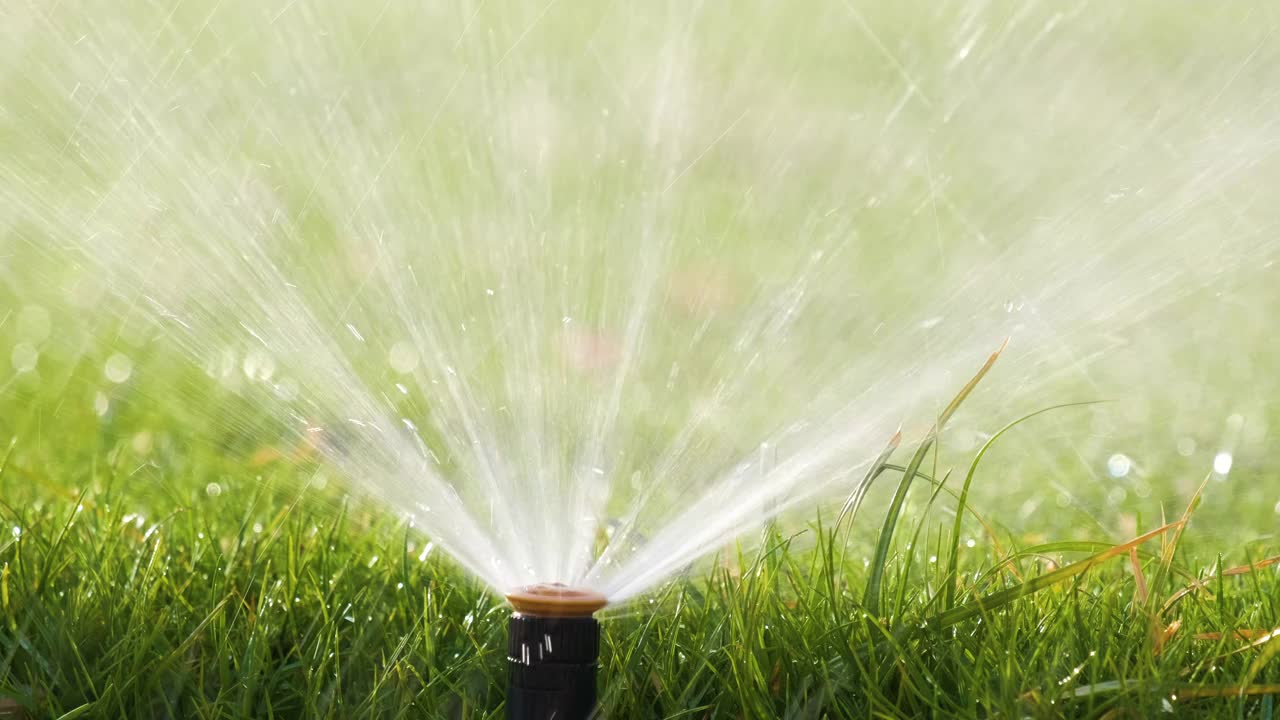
553	645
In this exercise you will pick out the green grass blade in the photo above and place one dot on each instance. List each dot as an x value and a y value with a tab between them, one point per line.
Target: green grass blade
914	543
77	712
954	559
871	599
8	453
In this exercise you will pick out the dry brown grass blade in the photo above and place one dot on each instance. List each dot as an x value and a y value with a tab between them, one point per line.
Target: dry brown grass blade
1140	580
1229	572
1164	634
1181	692
1193	692
1244	569
981	605
1268	648
1238	634
1174	598
1272	642
11	710
1170	548
1262	640
1141	594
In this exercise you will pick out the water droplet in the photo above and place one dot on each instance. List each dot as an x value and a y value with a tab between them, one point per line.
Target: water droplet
213	489
970	542
258	366
1222	462
34	324
257	528
1119	465
24	357
286	390
17	531
118	368
101	404
403	357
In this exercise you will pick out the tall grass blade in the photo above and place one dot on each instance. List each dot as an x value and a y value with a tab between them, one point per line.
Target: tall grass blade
871	600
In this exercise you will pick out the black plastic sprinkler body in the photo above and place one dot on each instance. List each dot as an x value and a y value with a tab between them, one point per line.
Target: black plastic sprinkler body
553	645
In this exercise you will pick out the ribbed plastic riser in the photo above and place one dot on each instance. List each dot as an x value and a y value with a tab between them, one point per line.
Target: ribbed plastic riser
553	668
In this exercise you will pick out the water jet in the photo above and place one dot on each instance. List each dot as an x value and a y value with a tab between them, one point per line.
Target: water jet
513	272
553	645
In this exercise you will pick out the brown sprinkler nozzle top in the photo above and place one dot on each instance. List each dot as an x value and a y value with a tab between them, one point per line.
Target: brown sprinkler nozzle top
556	600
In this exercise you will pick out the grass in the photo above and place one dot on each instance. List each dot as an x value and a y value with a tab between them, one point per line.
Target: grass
167	578
161	555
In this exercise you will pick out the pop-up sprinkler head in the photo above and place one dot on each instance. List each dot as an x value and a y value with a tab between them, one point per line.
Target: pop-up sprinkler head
553	645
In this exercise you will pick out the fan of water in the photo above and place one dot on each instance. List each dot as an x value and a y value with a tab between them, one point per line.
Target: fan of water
588	291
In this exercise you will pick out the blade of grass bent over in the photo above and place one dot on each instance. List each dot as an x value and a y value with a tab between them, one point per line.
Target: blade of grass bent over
878	466
850	509
954	559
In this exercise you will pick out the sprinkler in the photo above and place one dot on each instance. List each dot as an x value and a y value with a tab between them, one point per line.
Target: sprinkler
553	644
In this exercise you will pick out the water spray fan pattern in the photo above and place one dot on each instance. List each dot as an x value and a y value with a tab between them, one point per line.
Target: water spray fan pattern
587	292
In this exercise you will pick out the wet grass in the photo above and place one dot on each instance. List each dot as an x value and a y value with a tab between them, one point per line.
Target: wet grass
165	554
144	574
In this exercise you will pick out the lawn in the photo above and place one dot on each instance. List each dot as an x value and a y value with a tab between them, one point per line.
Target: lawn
153	572
648	269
